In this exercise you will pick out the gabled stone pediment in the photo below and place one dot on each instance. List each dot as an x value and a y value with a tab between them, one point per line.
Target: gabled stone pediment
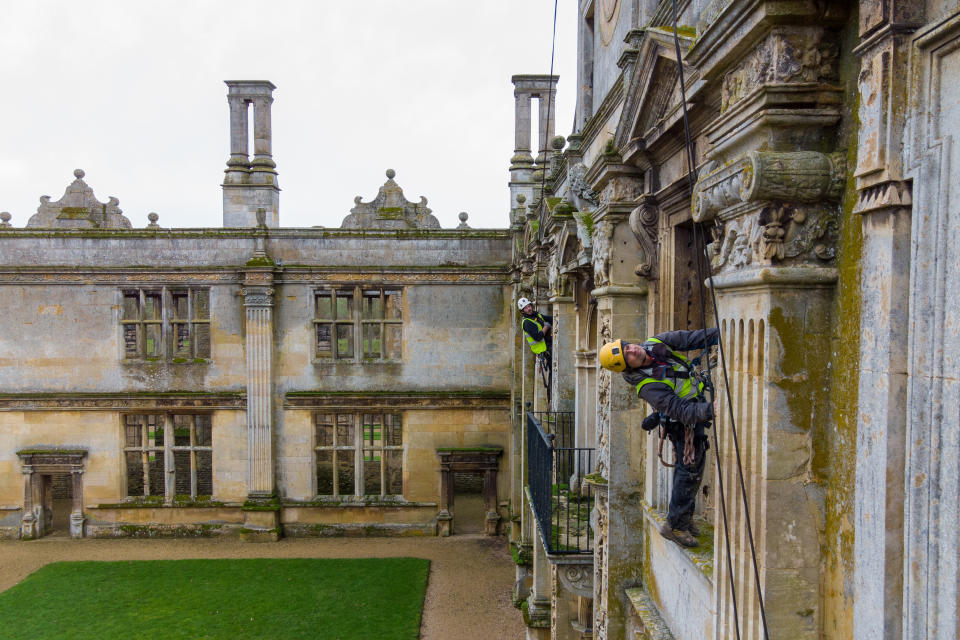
656	71
390	210
79	209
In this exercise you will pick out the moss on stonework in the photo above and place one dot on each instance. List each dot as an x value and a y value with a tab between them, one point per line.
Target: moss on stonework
595	478
260	261
835	447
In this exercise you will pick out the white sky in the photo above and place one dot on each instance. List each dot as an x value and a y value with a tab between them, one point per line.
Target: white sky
133	94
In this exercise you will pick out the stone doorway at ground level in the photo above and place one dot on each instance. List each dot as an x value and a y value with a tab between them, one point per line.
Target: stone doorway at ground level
52	492
467	465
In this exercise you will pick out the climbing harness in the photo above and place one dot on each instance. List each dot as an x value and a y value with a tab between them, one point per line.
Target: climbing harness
700	246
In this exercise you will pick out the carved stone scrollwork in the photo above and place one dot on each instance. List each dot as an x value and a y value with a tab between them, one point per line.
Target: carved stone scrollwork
800	177
577	578
643	223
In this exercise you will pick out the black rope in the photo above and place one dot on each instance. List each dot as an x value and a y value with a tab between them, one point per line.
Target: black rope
700	251
543	184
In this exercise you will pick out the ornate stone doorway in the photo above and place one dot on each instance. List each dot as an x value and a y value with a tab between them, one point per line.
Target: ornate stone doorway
51	476
474	460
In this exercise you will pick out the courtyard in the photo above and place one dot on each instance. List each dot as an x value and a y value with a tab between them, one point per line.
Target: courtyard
468	588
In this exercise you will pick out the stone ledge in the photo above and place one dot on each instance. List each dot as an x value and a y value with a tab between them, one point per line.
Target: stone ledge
651	625
359	530
700	557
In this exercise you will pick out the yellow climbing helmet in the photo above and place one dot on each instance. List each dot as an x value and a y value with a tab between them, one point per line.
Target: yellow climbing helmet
611	356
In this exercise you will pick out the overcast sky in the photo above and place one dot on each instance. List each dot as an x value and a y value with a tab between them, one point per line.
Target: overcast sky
133	94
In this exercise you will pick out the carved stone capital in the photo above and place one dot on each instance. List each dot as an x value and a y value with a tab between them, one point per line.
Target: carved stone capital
794	177
257	296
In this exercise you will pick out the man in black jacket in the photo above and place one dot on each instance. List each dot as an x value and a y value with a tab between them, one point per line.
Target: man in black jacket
664	378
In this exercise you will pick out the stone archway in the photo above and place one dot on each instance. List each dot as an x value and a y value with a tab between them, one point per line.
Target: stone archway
38	466
483	460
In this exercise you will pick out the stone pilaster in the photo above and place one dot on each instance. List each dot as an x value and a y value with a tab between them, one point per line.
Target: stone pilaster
564	340
884	200
76	511
538	603
261	513
772	195
258	309
248	184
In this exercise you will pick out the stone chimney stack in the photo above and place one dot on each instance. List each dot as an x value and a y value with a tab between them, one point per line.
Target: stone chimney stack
250	184
525	89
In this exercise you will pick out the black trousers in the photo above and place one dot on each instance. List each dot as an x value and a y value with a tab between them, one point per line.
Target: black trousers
686	478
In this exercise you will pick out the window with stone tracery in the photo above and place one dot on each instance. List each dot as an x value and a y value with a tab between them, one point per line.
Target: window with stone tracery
359	324
166	324
169	455
359	453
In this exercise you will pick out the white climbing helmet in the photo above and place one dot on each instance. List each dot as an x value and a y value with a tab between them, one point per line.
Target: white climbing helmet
522	302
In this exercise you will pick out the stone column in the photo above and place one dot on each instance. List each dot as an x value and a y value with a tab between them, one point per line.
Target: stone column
545	130
28	521
76	513
445	517
239	163
521	151
492	518
249	185
262	139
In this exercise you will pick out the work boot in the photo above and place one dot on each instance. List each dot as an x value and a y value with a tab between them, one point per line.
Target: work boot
693	529
679	536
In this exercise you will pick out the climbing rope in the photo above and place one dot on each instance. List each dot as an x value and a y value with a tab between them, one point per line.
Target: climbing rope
700	252
547	379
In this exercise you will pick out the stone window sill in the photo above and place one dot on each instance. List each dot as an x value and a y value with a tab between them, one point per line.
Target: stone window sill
348	502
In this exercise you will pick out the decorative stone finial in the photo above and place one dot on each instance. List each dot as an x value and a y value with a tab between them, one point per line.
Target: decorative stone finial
261	217
78	174
558	142
521	198
463	220
4	219
390	210
153	217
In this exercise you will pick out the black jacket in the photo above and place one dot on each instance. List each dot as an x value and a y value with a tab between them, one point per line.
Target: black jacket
660	396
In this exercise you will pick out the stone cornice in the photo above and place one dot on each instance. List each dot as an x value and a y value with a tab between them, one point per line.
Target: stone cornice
134	401
416	400
251	233
772	277
233	275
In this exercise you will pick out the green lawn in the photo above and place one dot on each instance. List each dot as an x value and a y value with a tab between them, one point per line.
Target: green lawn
378	598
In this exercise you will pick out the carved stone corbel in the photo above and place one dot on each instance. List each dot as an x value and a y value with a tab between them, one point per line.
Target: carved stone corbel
643	222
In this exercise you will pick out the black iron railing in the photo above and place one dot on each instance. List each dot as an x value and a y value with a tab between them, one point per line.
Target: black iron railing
562	501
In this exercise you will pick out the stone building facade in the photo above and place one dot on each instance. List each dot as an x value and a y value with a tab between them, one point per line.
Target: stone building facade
823	145
252	378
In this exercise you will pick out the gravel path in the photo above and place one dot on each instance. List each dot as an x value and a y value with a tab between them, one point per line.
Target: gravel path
468	594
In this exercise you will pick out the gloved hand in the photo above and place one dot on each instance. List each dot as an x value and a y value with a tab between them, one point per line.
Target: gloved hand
651	422
547	328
